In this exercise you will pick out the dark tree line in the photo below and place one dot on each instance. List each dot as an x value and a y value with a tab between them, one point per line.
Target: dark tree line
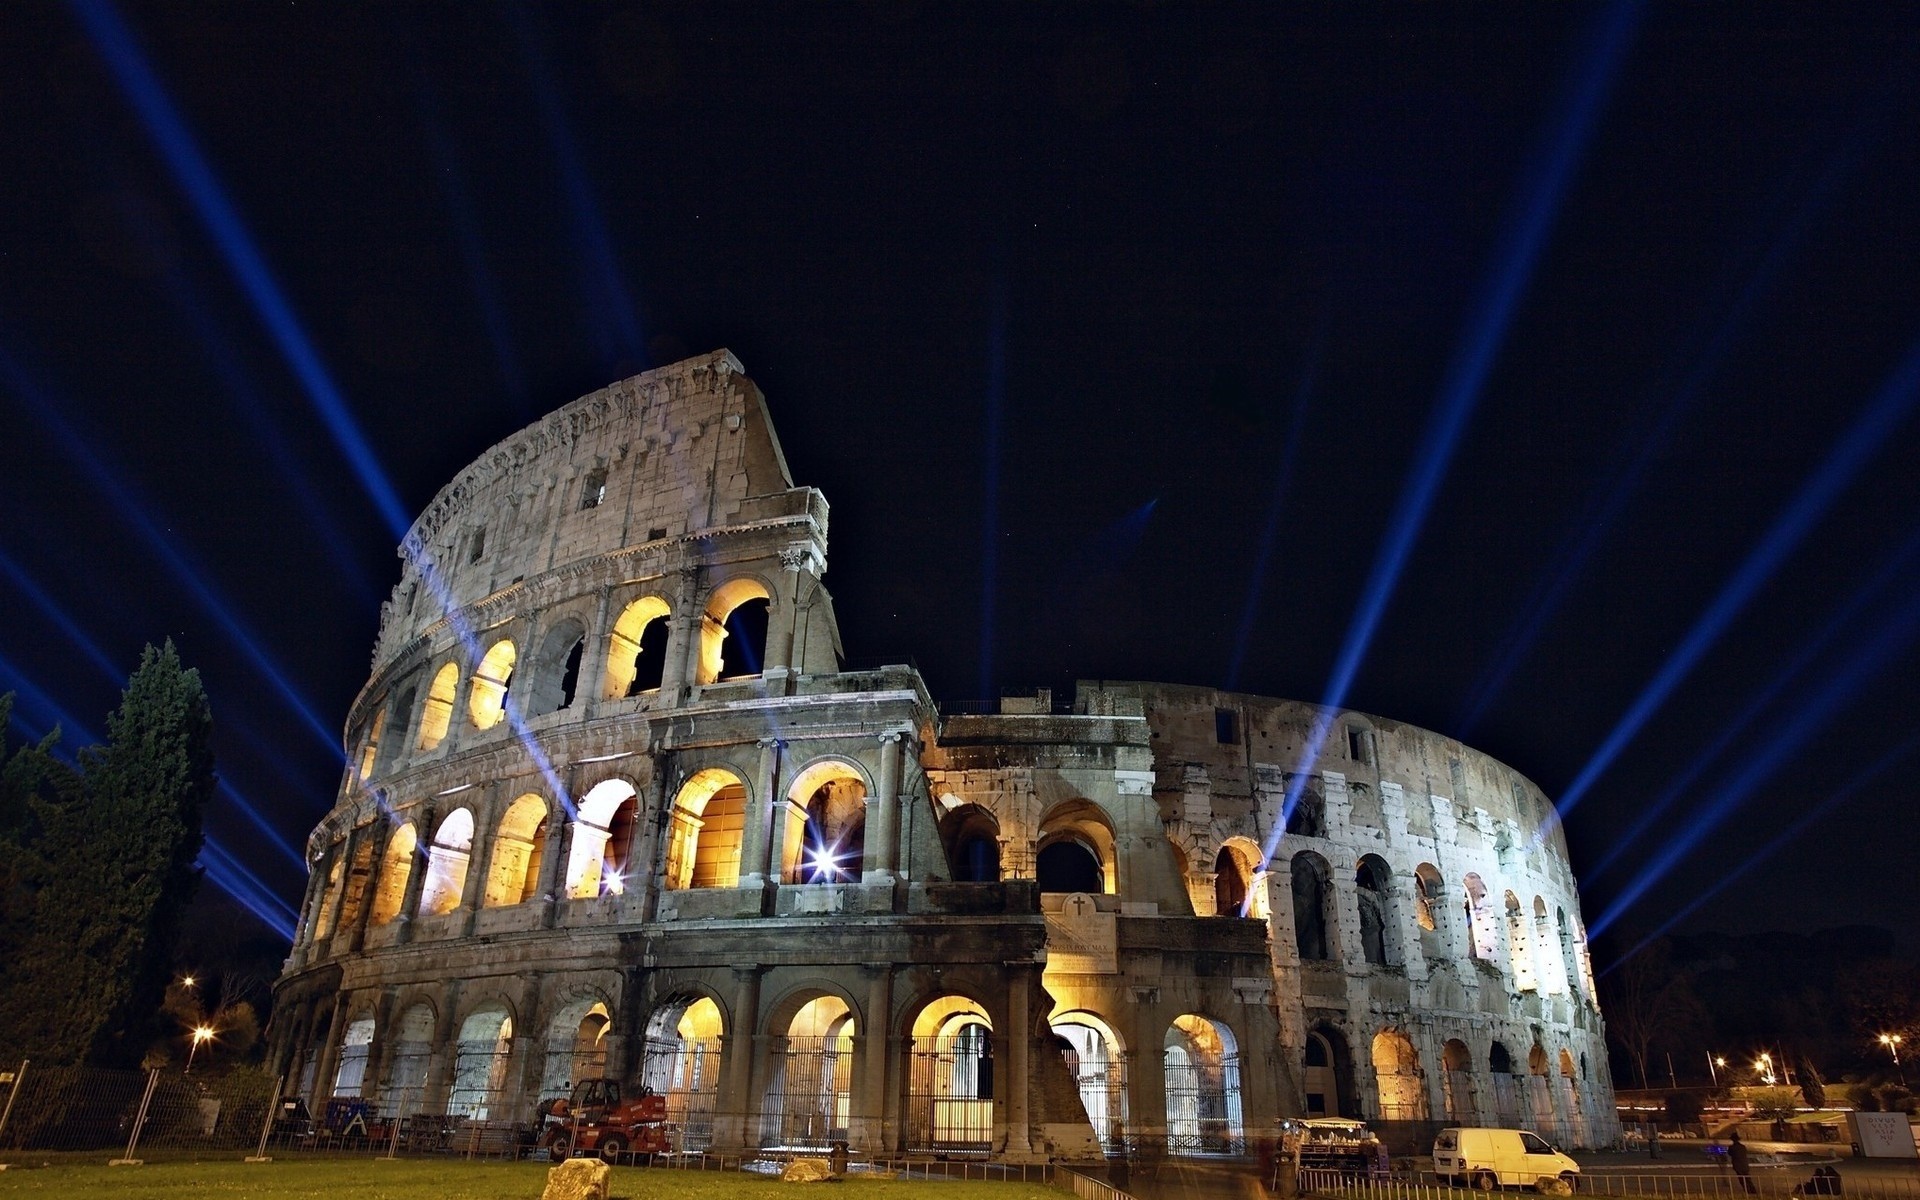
96	871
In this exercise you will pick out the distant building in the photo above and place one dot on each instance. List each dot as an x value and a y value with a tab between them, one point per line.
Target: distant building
614	806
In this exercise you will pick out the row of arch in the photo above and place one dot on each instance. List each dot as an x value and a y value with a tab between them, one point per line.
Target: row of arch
731	644
1541	953
805	1076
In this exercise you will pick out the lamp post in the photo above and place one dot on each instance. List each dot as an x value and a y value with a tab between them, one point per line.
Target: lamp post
201	1034
1714	1063
1764	1065
1892	1042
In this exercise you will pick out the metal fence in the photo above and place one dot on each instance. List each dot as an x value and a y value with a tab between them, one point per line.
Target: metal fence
1686	1183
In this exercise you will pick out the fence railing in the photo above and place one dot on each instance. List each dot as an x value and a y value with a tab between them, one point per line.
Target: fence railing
1680	1183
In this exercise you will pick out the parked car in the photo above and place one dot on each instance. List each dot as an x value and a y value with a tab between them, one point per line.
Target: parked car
1495	1158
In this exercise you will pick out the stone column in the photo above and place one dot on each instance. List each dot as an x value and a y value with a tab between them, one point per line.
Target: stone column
370	1083
1018	1077
336	904
683	637
376	831
1147	1068
473	888
310	910
883	830
416	872
644	851
446	1047
329	1057
778	664
553	863
730	1121
761	806
876	1033
525	1053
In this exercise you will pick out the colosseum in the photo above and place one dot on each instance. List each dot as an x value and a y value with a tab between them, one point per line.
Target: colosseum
614	807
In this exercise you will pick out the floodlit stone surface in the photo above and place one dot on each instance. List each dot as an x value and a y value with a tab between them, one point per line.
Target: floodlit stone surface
808	1170
617	808
578	1179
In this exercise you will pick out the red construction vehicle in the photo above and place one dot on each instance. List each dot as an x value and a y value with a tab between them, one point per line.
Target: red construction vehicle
598	1120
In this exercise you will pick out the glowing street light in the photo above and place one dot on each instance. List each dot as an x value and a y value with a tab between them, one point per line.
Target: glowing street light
1714	1063
201	1035
186	981
1764	1065
1892	1042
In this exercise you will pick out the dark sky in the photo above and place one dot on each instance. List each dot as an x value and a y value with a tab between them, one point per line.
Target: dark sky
1218	260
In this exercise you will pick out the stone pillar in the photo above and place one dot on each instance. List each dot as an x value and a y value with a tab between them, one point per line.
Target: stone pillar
1018	1077
446	1048
473	888
645	850
756	839
883	830
310	910
683	637
336	904
376	831
877	1042
1147	1069
416	873
329	1057
778	656
553	864
736	1094
370	1083
525	1054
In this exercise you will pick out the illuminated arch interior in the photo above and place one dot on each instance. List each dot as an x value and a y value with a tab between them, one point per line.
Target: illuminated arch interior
637	648
395	866
447	861
487	697
825	836
602	840
518	849
707	823
436	716
714	630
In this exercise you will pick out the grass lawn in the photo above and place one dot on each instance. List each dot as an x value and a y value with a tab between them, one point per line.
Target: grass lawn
424	1179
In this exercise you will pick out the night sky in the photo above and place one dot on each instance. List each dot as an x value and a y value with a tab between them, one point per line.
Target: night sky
1125	340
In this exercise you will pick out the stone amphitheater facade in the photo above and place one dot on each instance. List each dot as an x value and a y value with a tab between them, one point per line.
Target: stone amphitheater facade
615	807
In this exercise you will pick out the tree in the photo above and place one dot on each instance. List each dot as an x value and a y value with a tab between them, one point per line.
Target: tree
1651	1007
109	864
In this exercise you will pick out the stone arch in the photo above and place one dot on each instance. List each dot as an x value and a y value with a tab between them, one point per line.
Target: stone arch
1482	941
971	836
950	1084
519	846
390	892
487	693
1456	1065
1084	833
1540	1087
1546	952
436	712
482	1050
1237	882
720	625
447	861
1329	1073
1401	1083
409	1053
330	891
1379	930
1313	913
707	822
824	840
370	742
399	710
1201	1065
1098	1063
1308	816
809	1093
576	1046
682	1062
1429	889
1506	1086
602	839
554	674
356	1045
1519	946
637	649
1569	961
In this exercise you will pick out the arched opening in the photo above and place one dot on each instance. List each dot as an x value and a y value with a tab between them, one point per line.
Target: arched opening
637	649
1075	850
1098	1064
395	866
436	716
1229	884
950	1085
1546	954
518	848
447	861
733	633
370	748
359	877
706	825
1540	1088
1428	888
1506	1086
330	893
487	696
1313	915
1574	1129
1249	880
810	1089
576	1046
1585	960
408	1057
826	826
1569	963
1374	891
396	739
1457	1082
355	1045
1482	940
1396	1069
1329	1074
1520	946
602	840
971	836
555	673
1202	1065
1308	818
682	1064
480	1065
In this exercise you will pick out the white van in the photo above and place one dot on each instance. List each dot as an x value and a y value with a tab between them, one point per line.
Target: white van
1492	1158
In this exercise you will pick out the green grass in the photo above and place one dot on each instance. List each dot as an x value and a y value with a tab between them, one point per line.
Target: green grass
424	1179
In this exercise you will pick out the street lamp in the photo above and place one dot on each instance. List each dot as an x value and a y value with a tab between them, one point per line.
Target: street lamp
201	1034
1764	1065
1714	1063
1892	1042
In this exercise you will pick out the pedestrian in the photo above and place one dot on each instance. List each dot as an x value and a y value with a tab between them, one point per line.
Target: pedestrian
1742	1166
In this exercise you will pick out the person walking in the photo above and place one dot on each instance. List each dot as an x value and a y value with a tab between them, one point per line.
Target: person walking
1742	1165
